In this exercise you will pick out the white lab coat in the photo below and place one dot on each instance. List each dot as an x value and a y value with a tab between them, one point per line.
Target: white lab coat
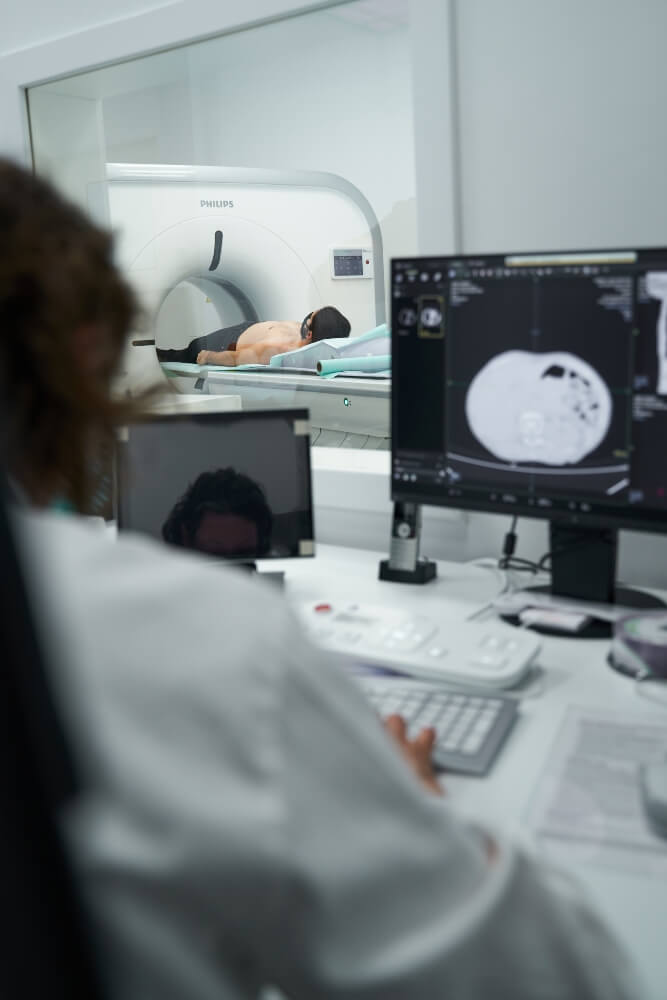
248	821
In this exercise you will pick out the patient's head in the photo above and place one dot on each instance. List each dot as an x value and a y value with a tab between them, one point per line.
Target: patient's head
324	323
64	315
224	513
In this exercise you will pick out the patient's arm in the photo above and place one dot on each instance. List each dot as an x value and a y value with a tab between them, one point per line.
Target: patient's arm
255	354
218	358
259	353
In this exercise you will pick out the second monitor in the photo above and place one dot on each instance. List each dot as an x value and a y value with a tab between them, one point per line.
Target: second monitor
536	384
235	485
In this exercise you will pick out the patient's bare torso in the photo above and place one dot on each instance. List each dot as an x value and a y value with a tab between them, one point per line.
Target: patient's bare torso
257	345
282	334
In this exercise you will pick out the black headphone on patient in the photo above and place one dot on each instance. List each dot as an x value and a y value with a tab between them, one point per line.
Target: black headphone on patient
304	325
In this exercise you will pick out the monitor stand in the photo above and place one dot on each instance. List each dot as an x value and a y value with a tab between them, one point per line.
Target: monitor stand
271	576
583	568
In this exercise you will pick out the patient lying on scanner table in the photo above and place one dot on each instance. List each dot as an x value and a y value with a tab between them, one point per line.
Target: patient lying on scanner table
256	343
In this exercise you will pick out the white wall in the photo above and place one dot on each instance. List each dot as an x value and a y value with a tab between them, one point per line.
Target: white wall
49	41
171	140
30	24
563	132
72	124
537	125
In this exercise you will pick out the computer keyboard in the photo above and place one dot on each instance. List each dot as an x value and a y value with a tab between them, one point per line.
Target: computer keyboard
470	728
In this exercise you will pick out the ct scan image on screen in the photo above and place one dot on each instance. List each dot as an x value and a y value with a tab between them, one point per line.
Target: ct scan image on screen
546	393
557	408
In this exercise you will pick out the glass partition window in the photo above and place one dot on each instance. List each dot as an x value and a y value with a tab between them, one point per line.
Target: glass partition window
255	177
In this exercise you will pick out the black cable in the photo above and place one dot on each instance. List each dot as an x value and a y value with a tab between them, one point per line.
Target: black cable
509	545
508	560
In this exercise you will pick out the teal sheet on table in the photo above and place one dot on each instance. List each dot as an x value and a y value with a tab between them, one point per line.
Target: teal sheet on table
322	350
373	363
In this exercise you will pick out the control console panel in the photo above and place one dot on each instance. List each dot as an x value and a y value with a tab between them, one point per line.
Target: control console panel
490	655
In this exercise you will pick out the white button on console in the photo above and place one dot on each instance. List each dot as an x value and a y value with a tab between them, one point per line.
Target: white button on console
490	661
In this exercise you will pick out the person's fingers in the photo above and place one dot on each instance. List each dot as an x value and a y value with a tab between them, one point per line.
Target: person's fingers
395	726
417	752
422	748
425	741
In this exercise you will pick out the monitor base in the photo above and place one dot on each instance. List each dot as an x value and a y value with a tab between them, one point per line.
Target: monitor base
425	570
583	569
596	628
271	576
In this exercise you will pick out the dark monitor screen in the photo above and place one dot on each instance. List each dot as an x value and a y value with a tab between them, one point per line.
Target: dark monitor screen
236	485
533	384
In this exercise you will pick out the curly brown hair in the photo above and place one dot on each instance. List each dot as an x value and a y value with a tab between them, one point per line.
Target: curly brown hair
57	277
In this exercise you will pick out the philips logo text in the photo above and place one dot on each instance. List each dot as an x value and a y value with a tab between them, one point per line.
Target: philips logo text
205	203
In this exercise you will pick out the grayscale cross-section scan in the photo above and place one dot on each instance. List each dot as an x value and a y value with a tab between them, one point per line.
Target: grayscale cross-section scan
552	408
656	287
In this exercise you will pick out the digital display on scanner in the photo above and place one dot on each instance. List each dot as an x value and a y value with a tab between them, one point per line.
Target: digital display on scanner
348	264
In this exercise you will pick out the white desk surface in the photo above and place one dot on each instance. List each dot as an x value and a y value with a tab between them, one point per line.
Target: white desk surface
575	674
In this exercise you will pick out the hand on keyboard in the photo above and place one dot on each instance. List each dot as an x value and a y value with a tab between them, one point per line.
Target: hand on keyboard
416	751
470	727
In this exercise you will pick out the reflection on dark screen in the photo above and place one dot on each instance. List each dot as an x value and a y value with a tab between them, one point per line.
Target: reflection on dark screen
223	513
232	485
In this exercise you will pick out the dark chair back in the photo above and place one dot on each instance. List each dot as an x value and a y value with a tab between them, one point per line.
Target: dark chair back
45	951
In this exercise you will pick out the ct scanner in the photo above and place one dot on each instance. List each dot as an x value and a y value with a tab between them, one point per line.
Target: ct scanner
255	244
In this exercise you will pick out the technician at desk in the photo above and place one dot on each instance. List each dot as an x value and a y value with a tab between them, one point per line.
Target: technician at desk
248	820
